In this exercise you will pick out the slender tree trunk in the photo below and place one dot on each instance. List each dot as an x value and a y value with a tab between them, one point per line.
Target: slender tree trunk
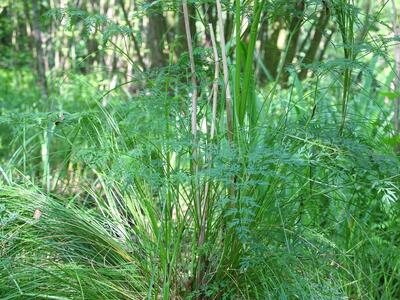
15	31
306	39
132	35
109	58
316	40
228	26
37	37
156	29
326	43
272	54
365	28
228	96
181	32
209	11
293	37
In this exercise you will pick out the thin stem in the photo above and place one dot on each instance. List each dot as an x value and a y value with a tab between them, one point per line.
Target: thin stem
194	107
215	84
213	121
396	29
192	69
228	96
238	57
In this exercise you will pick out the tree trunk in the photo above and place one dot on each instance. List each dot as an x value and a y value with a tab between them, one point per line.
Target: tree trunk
211	18
132	35
366	26
272	54
156	29
181	33
37	39
316	40
293	37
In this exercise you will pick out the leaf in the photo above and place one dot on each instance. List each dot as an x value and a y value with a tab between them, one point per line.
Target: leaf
392	95
391	141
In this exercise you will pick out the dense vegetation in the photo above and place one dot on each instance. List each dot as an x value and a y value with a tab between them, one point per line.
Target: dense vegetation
199	149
